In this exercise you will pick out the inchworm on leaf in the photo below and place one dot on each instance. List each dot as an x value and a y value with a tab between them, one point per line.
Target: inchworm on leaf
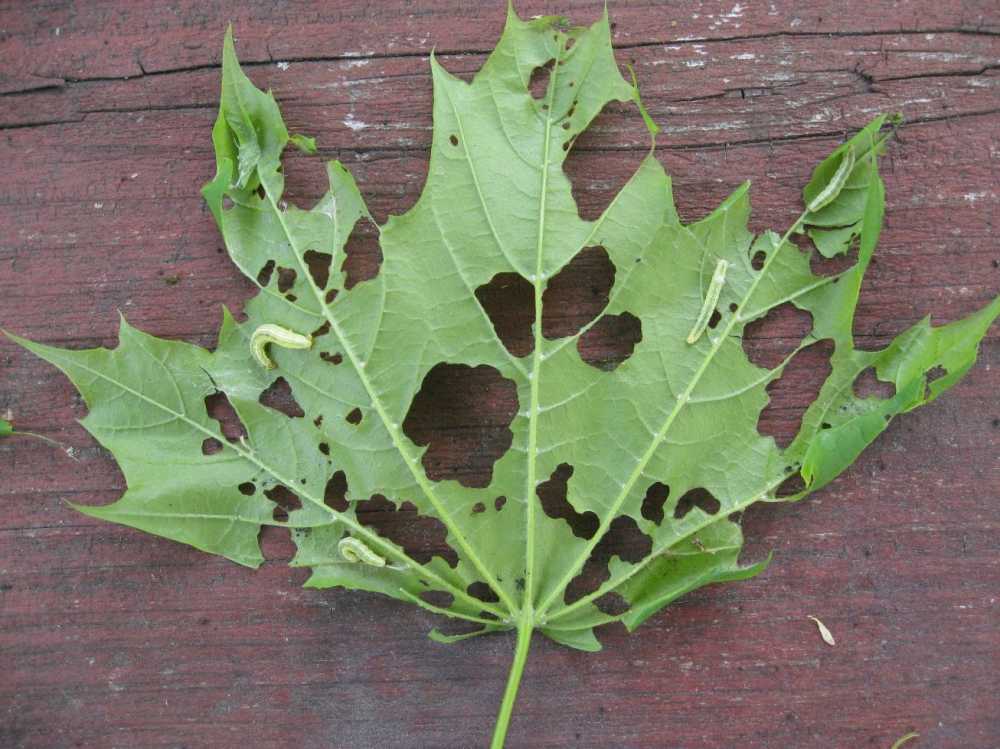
352	550
711	299
829	193
283	337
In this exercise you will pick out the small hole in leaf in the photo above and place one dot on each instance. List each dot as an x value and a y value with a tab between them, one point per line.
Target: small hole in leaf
509	301
868	385
291	297
420	536
555	503
769	340
935	373
578	293
318	264
463	414
791	394
733	306
790	486
652	503
286	500
699	497
279	397
757	262
498	503
539	83
482	592
355	416
713	321
247	488
478	508
218	407
362	255
322	330
324	448
286	279
335	492
569	43
440	598
612	604
454	140
211	446
330	296
624	540
261	192
611	341
335	358
264	276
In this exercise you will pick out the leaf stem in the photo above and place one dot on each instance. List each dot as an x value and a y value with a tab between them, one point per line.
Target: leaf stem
524	629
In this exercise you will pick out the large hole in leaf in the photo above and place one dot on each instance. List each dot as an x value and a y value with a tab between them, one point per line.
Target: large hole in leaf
538	85
509	301
279	397
463	415
698	497
595	177
264	275
578	293
553	495
792	393
362	256
218	407
421	537
335	493
483	592
868	385
318	264
286	501
611	341
624	540
770	340
652	503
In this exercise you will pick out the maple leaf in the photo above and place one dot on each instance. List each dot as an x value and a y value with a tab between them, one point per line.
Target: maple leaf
665	445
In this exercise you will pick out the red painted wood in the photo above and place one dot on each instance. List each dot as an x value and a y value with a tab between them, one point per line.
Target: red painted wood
110	638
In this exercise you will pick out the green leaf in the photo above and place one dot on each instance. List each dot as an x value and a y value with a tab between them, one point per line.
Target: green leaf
678	416
6	428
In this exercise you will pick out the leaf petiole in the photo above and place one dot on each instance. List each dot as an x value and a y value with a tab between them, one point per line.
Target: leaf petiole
524	629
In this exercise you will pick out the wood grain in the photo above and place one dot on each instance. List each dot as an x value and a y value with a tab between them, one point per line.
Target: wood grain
110	638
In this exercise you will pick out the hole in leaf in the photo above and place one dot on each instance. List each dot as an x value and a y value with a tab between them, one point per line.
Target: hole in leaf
611	341
624	540
612	604
769	340
286	500
482	592
509	301
335	358
498	503
758	259
324	448
478	508
363	255
790	486
440	598
792	393
247	488
335	492
218	407
354	417
264	276
330	296
699	497
322	330
318	264
578	293
463	415
454	140
652	503
935	373
832	266
539	84
868	385
420	537
553	495
279	397
713	321
286	279
211	446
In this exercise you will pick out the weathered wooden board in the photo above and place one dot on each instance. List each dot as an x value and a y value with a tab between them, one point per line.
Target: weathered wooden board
110	638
